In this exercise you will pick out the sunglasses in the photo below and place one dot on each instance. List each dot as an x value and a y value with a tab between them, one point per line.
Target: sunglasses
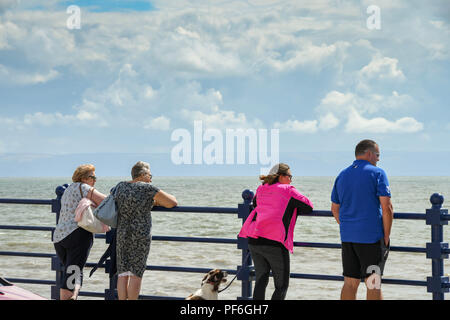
289	176
93	178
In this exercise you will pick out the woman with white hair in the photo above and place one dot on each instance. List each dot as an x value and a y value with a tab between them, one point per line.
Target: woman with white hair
134	200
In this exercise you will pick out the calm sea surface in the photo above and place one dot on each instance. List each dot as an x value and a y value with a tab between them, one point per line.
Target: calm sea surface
409	194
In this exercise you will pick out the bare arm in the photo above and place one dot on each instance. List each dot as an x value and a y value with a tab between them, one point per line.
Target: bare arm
165	200
96	197
388	217
335	210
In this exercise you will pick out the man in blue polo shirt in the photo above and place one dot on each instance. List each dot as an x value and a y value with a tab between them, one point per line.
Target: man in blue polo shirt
361	205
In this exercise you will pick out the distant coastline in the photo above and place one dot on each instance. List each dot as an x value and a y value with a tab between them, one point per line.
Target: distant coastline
395	163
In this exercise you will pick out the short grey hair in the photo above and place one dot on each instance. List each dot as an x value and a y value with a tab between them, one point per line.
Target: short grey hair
139	169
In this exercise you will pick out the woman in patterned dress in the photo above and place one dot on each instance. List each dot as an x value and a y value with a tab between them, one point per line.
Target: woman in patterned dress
135	200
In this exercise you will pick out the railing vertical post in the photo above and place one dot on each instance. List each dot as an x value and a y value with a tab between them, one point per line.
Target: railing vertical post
437	284
55	263
111	292
244	210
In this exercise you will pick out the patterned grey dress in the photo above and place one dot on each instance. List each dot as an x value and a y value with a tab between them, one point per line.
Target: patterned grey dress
134	223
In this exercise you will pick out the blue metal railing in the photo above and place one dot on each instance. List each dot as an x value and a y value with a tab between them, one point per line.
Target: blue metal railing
436	250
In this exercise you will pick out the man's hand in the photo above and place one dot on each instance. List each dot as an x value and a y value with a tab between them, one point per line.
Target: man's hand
335	211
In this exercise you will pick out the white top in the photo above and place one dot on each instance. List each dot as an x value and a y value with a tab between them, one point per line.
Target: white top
69	202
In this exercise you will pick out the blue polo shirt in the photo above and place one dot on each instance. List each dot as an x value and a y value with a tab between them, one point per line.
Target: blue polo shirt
356	190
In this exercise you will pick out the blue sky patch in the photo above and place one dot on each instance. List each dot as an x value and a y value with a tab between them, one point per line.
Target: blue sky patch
112	5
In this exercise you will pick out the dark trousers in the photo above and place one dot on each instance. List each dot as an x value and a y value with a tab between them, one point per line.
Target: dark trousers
265	259
73	252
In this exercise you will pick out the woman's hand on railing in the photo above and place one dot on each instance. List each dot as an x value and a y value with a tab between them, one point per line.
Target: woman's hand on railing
165	199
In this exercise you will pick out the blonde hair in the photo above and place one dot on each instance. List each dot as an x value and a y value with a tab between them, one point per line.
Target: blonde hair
275	173
82	172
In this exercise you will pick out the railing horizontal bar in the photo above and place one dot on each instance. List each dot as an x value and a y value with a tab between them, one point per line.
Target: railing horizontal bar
26	254
185	269
91	294
341	278
409	249
410	216
31	281
198	209
317	213
224	210
194	239
338	246
26	201
29	228
417	283
317	245
316	277
144	297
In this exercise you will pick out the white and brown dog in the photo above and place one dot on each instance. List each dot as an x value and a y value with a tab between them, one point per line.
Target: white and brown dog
210	286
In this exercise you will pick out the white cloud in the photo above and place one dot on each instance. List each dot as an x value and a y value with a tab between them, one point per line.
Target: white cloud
307	126
309	55
223	119
354	110
12	76
81	118
166	62
8	4
47	119
159	123
336	102
328	122
382	68
358	124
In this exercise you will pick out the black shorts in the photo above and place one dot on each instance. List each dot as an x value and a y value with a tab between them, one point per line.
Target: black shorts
360	260
72	251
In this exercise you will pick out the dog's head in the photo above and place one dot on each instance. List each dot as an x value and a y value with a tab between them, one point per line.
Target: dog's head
215	277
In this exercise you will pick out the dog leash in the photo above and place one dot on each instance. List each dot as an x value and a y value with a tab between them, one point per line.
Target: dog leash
237	273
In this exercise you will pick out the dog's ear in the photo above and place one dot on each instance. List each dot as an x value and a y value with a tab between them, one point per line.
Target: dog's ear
205	277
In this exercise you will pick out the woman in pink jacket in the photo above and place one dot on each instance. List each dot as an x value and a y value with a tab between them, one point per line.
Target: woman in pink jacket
270	229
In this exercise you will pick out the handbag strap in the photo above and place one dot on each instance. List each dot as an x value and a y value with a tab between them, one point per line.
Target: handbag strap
91	191
81	192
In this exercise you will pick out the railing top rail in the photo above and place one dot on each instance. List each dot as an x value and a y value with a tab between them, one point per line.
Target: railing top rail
27	201
221	210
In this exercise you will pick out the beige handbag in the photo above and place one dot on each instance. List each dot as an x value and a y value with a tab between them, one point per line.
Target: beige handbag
85	218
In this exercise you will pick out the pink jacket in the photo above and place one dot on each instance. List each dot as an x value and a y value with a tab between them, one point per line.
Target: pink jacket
275	215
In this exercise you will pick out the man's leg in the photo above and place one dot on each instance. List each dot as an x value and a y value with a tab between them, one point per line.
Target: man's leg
350	288
351	271
373	258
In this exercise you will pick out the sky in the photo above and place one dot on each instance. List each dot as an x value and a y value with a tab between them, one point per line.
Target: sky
114	82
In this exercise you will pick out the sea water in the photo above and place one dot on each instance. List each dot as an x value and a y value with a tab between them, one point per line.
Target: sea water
409	194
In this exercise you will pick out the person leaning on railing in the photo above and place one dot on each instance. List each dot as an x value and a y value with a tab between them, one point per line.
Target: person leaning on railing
270	229
72	243
134	200
361	205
